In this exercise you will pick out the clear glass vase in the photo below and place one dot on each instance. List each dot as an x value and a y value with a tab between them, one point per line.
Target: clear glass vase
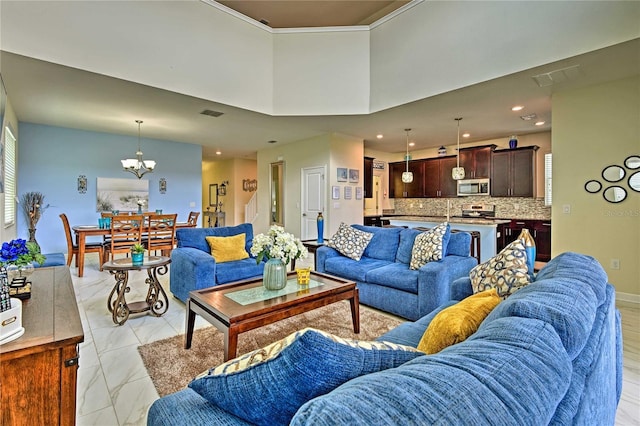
19	273
275	275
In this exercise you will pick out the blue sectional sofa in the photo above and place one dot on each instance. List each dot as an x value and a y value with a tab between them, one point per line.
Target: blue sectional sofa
193	267
383	276
549	354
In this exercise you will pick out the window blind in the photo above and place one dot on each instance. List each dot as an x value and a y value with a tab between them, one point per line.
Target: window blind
9	178
547	179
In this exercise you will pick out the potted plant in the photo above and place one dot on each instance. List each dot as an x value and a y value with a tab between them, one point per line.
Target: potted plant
16	259
137	254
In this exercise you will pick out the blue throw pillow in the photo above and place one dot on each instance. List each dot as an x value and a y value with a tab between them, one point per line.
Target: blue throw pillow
267	386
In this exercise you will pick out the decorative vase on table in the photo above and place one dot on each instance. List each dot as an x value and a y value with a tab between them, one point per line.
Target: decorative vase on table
275	274
32	236
320	222
513	142
530	248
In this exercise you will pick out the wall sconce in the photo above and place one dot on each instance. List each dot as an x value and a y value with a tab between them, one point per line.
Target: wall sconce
222	189
82	184
163	185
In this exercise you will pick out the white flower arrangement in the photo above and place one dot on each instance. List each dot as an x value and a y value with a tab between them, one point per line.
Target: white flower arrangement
278	244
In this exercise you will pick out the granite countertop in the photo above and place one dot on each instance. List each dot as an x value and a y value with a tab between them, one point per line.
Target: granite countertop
464	220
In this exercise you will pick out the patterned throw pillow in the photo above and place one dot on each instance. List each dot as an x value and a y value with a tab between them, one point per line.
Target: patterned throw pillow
350	241
430	246
506	272
267	386
454	324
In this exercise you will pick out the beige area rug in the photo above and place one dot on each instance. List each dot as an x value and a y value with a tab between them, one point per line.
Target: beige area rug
172	367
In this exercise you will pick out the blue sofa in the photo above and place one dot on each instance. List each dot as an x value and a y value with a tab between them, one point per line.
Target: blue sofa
193	267
549	354
383	276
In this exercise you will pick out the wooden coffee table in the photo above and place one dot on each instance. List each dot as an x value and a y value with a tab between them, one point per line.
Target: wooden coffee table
242	306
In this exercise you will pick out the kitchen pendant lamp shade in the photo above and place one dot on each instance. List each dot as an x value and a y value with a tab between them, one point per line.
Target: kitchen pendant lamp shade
138	166
457	172
407	176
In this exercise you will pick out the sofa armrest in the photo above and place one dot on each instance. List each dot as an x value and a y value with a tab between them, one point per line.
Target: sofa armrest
191	269
435	278
322	254
461	288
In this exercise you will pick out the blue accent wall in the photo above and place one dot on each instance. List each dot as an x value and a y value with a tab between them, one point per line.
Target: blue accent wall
50	159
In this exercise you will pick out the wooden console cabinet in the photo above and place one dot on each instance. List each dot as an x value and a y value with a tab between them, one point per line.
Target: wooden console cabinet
38	371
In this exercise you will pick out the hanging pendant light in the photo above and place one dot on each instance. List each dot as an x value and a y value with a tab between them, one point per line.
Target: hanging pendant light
138	166
457	172
407	176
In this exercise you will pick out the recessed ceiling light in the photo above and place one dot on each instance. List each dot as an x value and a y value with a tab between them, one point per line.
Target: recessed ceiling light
379	136
517	108
539	123
412	144
466	135
272	141
218	152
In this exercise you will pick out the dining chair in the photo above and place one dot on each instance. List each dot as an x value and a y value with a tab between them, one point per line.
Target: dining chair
160	233
126	230
72	248
193	219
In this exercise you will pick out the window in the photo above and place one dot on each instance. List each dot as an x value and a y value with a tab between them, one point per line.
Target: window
9	178
547	179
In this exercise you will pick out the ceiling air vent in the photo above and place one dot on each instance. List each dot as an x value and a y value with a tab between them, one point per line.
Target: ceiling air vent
212	113
558	76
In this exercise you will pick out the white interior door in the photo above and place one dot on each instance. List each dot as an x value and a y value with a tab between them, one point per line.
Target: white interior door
313	198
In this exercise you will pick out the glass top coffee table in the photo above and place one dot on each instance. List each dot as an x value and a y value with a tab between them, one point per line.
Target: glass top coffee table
242	306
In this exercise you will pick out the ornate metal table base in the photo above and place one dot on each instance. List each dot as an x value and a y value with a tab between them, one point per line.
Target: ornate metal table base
156	301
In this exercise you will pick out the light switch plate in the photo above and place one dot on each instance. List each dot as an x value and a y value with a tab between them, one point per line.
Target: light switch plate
566	208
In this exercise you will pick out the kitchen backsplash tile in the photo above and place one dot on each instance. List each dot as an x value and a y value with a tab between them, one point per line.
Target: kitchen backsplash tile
508	208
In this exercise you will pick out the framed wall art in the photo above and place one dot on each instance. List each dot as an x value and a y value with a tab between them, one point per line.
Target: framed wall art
354	175
335	192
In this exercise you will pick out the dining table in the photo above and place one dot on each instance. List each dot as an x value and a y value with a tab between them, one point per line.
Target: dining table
83	231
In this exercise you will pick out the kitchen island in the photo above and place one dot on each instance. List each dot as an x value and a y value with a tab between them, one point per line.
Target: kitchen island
486	227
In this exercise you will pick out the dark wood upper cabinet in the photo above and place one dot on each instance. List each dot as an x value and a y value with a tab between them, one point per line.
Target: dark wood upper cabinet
368	177
437	177
477	161
513	172
399	189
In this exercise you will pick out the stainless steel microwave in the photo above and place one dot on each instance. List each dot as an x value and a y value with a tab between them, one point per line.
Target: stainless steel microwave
473	187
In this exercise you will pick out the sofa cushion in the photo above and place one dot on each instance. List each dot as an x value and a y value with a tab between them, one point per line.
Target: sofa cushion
459	244
507	271
267	386
228	249
384	244
456	323
469	383
195	237
351	269
395	275
430	246
350	241
405	246
227	272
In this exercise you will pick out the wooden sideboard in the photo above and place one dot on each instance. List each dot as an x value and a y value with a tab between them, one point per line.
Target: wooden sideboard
38	371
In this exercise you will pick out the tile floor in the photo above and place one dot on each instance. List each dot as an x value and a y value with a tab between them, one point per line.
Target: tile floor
114	388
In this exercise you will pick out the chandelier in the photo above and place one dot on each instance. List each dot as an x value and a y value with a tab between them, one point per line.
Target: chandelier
138	166
407	176
457	173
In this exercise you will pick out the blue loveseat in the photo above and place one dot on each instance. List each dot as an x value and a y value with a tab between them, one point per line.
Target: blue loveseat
549	354
193	267
383	276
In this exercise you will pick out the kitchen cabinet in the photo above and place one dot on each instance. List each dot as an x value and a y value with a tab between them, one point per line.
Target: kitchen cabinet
477	161
540	230
399	189
513	172
368	177
437	177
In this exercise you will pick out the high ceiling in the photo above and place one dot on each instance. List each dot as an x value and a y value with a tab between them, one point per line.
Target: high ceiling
47	93
314	13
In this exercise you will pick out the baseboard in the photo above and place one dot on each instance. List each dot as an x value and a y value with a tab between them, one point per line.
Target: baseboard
628	297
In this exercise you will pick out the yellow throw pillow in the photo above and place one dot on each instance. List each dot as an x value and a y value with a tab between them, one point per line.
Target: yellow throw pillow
227	249
455	323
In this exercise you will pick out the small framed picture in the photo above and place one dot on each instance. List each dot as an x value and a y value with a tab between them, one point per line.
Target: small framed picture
342	174
348	191
358	193
354	175
335	192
